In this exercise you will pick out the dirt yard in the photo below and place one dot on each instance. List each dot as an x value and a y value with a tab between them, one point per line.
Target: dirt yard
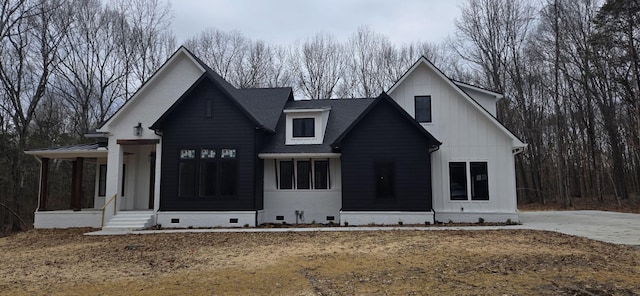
64	262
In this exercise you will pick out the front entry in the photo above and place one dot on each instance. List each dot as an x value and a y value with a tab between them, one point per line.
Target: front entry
138	177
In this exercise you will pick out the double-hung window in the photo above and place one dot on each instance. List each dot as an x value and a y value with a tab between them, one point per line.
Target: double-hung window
303	174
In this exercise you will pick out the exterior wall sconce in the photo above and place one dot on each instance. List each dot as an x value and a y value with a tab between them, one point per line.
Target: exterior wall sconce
137	130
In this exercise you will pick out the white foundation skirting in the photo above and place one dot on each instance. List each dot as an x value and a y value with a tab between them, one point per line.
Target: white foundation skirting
206	219
68	219
474	217
385	218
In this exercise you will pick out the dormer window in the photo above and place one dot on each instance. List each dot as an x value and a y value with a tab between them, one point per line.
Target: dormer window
303	127
306	126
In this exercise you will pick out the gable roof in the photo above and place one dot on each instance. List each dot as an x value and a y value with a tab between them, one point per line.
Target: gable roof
342	115
384	97
261	105
516	142
265	104
164	67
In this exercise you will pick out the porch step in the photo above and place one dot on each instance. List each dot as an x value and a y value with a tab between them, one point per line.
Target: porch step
129	220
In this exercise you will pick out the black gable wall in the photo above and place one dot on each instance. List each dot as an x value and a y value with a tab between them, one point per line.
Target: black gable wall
189	127
385	136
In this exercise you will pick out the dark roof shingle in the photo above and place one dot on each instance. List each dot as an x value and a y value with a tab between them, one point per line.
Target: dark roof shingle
343	113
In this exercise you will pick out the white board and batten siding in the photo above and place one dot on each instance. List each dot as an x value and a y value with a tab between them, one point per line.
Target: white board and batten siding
467	135
486	99
152	100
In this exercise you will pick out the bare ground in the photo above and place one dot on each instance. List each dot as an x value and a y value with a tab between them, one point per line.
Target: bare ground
511	262
608	203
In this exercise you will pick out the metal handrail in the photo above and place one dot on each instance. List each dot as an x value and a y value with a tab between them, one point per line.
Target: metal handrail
115	203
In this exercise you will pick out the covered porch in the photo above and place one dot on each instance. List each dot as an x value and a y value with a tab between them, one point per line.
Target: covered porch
77	214
111	184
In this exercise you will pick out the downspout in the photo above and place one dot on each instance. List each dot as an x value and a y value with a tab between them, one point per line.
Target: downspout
432	209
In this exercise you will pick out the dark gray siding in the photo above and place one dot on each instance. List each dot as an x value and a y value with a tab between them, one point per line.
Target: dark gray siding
384	135
188	127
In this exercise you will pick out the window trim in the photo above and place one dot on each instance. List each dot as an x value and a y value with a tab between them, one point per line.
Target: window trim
294	173
415	108
304	126
472	181
102	180
198	159
465	184
469	193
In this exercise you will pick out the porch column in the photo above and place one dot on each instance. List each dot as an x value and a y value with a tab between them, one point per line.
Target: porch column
76	184
44	184
156	195
115	160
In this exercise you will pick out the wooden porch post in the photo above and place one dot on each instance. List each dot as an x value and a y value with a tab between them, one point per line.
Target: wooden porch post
44	184
77	183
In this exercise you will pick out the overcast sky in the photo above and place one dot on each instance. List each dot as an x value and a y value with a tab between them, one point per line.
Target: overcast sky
286	21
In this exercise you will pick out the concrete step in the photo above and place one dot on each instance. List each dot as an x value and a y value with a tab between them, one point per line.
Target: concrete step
129	221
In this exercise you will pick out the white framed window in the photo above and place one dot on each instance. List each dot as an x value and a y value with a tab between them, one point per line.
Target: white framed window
468	180
305	126
423	108
303	174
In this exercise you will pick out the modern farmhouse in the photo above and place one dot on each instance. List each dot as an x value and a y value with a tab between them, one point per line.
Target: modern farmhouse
190	150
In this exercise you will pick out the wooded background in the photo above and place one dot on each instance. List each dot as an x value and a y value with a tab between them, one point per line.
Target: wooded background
569	70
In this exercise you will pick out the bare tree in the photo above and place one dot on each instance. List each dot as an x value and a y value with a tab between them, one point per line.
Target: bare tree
222	51
144	38
91	76
28	49
318	66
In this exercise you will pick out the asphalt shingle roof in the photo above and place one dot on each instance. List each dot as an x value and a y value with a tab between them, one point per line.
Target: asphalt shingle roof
262	104
343	113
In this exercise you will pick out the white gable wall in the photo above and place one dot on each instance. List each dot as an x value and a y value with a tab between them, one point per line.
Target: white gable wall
467	135
154	98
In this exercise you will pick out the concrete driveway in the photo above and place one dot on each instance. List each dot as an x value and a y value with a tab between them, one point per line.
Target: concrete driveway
611	227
